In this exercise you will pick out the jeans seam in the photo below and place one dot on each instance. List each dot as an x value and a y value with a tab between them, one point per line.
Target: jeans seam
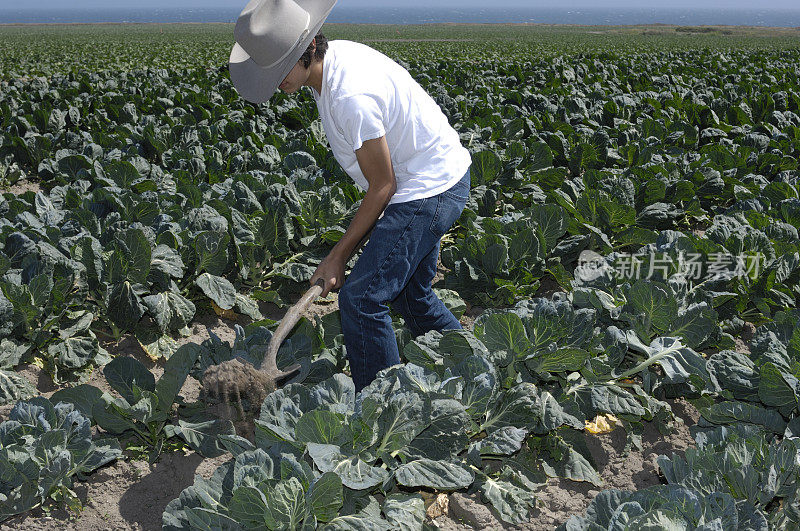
436	214
410	312
440	211
455	197
449	193
378	272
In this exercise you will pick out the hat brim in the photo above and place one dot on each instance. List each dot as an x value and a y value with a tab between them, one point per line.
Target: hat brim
258	84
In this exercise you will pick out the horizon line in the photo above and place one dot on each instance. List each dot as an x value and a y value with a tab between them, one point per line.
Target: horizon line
453	8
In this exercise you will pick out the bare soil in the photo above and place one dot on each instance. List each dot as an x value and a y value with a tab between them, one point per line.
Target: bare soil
125	495
22	186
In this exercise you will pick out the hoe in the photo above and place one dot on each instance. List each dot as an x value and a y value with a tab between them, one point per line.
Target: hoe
234	379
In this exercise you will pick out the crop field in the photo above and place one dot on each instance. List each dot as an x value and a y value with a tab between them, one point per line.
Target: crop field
627	272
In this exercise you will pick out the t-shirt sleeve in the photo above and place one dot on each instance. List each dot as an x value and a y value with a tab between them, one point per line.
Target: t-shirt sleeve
360	119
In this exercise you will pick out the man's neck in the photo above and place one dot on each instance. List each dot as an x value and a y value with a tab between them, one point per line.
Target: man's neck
315	76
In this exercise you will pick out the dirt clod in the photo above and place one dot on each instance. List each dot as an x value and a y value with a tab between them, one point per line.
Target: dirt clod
233	381
469	510
436	505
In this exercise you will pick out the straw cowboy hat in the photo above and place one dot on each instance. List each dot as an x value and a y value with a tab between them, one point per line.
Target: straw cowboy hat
271	36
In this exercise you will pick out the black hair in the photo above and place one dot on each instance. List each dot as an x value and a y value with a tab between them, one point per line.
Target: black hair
318	53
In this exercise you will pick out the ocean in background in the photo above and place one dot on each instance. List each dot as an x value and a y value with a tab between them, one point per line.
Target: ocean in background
416	15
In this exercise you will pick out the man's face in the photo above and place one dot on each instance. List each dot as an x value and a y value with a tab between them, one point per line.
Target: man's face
295	79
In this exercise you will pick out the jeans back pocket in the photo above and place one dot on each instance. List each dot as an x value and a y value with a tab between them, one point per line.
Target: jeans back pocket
460	190
448	210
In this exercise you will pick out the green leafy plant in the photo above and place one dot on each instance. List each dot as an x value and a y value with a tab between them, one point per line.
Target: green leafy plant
43	448
730	480
146	408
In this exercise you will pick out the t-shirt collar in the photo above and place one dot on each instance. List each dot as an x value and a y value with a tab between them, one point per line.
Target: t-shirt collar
325	68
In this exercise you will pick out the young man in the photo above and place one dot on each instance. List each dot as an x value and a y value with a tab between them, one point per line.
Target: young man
395	143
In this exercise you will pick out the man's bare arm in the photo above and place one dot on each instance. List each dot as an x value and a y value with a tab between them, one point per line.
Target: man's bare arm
376	164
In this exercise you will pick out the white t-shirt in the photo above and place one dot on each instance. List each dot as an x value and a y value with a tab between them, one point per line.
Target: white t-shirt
366	95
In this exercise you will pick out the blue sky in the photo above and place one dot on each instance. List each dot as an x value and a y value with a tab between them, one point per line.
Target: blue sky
147	4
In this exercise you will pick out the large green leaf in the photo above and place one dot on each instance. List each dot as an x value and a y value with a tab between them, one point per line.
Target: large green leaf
74	352
447	435
122	172
319	426
212	252
125	306
655	303
203	436
540	156
83	396
734	372
128	377
137	254
503	331
176	370
552	221
75	323
732	412
336	394
694	325
440	475
114	415
218	289
778	389
552	415
565	461
171	311
480	385
274	229
504	441
612	399
248	507
405	512
326	497
287	503
209	520
168	261
355	473
14	387
561	360
510	495
486	168
401	418
517	408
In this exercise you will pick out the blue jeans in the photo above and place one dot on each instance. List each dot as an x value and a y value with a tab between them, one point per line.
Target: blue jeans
397	266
